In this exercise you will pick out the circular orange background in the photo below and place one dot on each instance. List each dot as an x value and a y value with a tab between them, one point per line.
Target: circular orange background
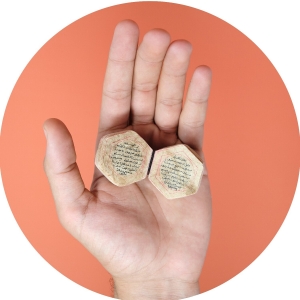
251	139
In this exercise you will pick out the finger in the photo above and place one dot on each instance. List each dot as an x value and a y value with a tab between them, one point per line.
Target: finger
191	123
171	86
147	69
117	85
62	171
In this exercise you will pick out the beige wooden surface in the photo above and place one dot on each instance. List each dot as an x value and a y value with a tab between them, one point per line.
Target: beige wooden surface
176	172
124	158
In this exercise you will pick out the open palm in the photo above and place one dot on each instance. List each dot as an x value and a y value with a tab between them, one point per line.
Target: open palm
139	236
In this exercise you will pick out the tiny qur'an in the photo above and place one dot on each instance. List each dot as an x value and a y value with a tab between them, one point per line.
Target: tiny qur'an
125	158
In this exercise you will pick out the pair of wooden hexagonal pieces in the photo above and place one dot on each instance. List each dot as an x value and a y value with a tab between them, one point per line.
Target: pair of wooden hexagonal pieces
125	158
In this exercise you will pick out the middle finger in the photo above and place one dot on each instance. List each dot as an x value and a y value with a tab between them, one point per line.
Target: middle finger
171	86
147	68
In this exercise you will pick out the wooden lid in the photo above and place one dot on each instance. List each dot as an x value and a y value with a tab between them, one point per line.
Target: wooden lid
123	157
176	172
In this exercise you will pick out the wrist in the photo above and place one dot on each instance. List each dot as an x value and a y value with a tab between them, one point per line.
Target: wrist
158	289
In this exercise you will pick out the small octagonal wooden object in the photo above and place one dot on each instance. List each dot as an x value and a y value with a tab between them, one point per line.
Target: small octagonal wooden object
125	158
176	172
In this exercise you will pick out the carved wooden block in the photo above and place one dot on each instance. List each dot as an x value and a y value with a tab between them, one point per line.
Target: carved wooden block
125	158
176	172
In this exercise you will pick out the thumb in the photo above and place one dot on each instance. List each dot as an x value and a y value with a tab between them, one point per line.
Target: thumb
63	174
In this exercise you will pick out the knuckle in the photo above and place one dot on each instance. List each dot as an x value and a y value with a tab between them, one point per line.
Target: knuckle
171	101
117	94
149	60
173	72
194	124
167	128
144	86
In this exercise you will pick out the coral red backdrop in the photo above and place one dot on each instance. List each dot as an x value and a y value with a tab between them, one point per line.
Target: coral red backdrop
251	139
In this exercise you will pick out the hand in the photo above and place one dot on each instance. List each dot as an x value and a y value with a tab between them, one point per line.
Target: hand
152	247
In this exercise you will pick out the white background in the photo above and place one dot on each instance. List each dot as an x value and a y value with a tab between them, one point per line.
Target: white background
26	25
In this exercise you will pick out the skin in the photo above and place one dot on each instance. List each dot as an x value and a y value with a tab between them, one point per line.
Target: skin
154	248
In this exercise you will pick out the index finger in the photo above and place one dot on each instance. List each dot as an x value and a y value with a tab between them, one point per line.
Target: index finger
116	95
